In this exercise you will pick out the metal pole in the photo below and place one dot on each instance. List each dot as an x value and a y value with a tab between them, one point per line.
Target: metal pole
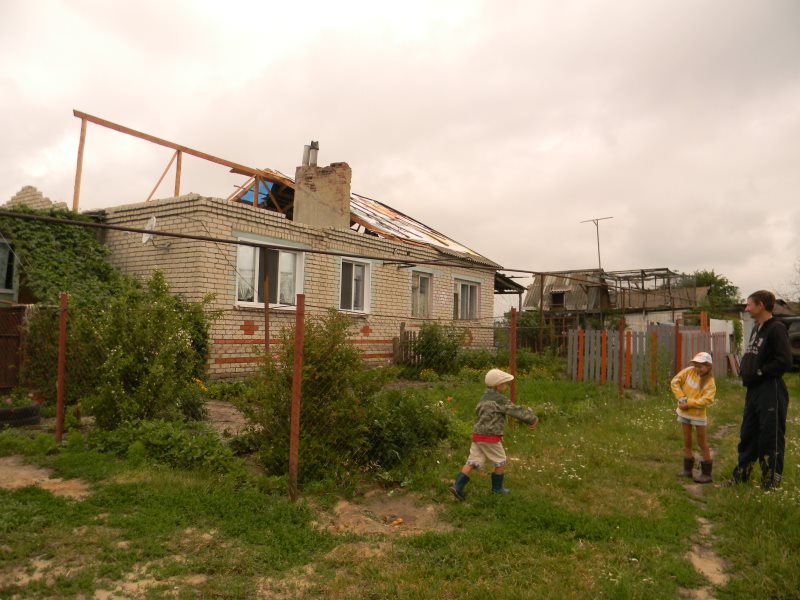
597	229
513	355
266	317
297	376
62	360
541	311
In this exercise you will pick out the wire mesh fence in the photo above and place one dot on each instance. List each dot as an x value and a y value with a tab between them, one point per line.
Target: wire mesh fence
425	316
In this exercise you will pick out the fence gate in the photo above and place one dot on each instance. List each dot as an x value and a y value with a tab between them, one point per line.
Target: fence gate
11	318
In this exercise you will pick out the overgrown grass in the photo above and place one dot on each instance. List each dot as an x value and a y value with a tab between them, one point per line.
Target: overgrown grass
596	510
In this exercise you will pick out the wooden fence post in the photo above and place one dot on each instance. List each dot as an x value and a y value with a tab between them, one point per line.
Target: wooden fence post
620	364
581	346
513	354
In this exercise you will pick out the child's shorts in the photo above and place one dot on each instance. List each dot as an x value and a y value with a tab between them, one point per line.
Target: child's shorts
480	452
696	422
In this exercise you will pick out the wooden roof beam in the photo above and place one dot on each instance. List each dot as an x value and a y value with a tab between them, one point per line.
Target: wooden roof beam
166	143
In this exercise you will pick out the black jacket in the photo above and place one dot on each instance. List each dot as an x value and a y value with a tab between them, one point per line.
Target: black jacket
768	355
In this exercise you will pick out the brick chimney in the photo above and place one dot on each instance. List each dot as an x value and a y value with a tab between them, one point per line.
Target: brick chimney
322	194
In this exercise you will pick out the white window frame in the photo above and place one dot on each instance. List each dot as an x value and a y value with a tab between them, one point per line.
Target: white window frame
367	285
415	294
458	288
299	267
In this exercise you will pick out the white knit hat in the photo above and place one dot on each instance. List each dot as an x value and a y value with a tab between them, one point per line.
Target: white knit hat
496	377
702	357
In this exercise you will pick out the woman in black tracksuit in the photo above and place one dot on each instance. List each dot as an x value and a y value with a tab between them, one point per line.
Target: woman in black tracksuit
767	357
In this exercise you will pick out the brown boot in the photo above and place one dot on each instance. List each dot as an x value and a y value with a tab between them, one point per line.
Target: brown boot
688	463
705	472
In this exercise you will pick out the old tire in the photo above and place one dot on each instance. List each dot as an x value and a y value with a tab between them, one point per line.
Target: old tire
20	416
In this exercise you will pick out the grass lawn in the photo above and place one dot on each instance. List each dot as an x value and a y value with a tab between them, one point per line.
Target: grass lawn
595	510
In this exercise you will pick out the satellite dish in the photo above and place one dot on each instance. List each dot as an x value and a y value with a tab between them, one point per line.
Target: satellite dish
150	226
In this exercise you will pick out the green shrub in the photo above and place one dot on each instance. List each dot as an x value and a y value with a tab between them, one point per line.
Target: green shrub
476	358
226	391
428	375
343	421
12	441
75	441
178	445
139	356
545	365
402	423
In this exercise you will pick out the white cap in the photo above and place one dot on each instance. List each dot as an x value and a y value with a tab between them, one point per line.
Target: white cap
496	377
702	357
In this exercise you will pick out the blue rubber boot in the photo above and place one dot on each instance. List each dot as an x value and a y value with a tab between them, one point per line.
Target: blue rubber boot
457	489
497	484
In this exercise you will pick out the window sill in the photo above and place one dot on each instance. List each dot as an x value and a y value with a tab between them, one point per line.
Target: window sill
260	307
353	313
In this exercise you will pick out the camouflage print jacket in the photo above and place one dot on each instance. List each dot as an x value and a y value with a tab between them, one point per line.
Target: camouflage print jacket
492	410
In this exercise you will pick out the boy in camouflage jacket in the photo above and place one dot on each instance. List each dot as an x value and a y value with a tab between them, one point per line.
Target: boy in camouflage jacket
487	435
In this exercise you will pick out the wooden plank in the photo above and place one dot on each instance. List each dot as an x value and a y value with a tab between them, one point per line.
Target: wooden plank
178	173
603	356
256	191
628	351
76	193
160	179
240	189
242	169
581	342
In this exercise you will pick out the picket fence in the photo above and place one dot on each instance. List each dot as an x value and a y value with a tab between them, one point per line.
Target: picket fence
646	360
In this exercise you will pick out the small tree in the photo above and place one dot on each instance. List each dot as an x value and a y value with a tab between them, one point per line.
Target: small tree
722	294
135	356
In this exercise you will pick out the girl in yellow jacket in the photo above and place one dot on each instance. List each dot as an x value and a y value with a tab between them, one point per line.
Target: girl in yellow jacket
694	388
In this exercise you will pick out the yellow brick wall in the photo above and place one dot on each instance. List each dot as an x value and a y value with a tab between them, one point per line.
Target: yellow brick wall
197	268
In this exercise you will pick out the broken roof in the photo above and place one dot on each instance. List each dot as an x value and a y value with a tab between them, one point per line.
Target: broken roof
375	217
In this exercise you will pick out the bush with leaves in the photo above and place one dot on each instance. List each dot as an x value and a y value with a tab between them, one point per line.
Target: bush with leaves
59	258
343	420
480	358
137	356
178	445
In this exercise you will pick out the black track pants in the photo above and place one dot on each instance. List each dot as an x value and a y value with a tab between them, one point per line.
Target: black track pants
762	436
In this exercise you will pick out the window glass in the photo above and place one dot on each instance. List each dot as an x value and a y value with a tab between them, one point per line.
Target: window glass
246	271
254	265
420	295
354	286
465	300
287	264
346	299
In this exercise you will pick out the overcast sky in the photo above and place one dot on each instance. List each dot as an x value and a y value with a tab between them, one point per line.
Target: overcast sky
501	124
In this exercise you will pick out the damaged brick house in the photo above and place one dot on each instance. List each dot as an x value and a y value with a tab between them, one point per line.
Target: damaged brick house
343	251
316	211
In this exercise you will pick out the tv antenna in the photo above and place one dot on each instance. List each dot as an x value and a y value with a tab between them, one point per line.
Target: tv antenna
597	228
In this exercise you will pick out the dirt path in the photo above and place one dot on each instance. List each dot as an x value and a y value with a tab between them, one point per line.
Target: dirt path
15	473
224	417
701	555
382	512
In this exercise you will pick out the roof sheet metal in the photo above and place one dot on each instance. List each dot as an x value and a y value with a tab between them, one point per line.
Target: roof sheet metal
382	218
